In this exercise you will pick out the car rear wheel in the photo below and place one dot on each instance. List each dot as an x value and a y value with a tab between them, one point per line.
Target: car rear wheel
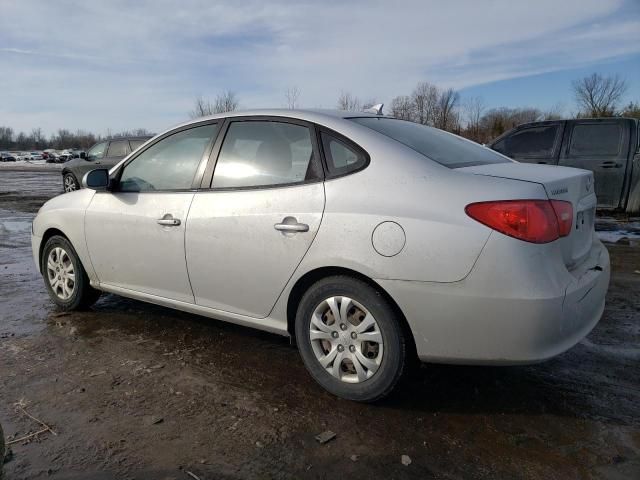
350	339
70	183
64	276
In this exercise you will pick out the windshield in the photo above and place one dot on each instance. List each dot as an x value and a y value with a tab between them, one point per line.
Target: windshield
442	147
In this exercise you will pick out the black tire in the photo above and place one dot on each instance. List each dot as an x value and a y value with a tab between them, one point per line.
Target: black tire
83	294
70	182
394	358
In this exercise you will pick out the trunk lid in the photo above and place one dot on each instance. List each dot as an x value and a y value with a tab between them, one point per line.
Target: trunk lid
560	183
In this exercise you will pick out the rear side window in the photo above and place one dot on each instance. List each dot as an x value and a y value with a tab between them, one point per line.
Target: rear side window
442	147
118	148
265	153
595	139
341	157
529	142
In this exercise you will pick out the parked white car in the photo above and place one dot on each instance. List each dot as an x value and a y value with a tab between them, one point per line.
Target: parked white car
367	239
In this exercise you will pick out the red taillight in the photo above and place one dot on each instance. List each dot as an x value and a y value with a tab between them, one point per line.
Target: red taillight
533	221
564	213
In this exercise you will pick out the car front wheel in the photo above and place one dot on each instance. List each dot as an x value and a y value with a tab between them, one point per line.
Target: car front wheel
70	183
350	339
66	280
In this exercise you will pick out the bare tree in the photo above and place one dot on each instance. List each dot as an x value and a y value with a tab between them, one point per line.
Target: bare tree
292	96
632	110
348	102
6	137
202	108
598	96
473	109
425	100
446	117
224	102
369	104
555	112
402	108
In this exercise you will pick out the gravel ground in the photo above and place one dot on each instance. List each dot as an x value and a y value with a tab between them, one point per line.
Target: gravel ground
137	391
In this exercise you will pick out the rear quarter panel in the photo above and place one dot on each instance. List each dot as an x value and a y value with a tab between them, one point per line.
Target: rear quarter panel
426	199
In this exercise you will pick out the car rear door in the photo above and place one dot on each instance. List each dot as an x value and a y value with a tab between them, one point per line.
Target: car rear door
248	232
601	146
536	143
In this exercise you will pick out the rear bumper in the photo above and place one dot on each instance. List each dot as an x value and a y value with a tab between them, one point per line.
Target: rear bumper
508	310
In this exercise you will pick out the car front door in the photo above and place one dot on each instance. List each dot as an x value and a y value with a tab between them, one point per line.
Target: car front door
247	233
601	146
135	233
538	143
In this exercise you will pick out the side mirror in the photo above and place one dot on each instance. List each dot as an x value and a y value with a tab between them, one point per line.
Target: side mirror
96	179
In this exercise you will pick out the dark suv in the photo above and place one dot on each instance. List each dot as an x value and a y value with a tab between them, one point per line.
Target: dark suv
609	147
105	154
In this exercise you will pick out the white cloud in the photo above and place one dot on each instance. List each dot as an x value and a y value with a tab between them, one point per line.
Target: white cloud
123	64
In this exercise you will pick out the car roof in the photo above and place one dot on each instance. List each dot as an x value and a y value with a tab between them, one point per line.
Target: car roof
318	116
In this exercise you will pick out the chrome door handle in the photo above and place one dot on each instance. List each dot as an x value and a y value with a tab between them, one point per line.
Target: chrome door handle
168	221
290	224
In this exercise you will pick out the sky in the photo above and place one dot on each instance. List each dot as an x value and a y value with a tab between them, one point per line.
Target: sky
124	64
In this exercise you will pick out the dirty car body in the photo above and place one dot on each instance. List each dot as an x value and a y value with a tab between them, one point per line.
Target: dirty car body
434	245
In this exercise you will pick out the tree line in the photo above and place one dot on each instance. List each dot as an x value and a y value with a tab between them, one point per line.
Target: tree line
595	96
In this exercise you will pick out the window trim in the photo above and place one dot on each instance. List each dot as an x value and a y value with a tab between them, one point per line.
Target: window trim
349	143
207	179
554	148
195	184
579	123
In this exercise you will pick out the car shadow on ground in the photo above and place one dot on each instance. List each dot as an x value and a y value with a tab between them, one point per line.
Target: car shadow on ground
576	384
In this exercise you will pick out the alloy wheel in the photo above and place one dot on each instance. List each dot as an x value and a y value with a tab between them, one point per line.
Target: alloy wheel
69	184
60	273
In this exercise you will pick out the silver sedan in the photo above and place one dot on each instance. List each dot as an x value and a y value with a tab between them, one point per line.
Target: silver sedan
368	240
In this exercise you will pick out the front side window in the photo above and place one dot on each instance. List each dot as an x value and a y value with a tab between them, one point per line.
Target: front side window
170	164
529	142
595	139
264	153
97	151
444	148
118	148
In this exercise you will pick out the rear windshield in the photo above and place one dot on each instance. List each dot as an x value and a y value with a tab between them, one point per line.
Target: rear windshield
442	147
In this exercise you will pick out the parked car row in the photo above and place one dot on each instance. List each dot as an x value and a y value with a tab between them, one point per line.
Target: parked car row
50	156
63	156
19	156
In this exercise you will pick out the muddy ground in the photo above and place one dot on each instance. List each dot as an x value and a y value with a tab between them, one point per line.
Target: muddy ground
138	391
